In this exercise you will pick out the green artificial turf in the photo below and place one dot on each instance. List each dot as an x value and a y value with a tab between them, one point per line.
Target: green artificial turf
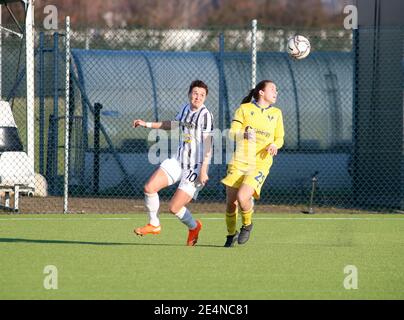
287	257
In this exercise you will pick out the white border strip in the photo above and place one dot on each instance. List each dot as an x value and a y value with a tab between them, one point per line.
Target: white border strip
253	53
67	118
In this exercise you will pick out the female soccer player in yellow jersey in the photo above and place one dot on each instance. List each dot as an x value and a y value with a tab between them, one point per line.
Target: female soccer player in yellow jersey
257	129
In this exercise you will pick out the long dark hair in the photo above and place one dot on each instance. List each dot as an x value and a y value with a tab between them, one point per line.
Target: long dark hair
254	93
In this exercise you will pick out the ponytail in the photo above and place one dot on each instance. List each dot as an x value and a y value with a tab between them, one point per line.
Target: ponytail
249	97
254	93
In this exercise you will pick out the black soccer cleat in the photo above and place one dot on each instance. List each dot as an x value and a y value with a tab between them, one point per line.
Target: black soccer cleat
244	234
231	240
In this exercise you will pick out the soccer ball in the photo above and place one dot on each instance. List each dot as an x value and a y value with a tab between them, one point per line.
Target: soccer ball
298	47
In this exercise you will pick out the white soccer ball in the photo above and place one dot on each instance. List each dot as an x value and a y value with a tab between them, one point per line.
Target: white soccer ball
298	47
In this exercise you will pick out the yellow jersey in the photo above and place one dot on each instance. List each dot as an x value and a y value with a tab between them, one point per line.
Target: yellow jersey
267	123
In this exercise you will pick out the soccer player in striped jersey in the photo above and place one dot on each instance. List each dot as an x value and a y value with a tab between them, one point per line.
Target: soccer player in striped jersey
257	128
189	166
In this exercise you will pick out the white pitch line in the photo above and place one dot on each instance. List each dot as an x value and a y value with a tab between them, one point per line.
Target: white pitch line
205	218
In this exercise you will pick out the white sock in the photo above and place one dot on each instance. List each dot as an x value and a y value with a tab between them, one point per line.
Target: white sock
152	203
186	218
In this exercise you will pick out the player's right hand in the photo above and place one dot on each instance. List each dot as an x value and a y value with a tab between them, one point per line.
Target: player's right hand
249	134
139	123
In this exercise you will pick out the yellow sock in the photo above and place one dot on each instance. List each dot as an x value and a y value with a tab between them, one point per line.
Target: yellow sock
231	222
246	216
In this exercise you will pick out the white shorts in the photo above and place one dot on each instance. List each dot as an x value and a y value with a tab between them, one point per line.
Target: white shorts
188	177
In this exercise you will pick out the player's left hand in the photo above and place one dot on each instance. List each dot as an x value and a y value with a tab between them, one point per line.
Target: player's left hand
203	178
139	123
272	149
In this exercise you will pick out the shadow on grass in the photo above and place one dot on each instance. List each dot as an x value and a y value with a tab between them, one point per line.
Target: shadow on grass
36	241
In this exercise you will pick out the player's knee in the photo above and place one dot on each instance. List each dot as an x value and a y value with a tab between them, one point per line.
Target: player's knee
243	199
174	209
231	207
148	188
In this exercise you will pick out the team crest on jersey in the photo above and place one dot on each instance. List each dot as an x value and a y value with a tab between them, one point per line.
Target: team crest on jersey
252	113
271	118
187	138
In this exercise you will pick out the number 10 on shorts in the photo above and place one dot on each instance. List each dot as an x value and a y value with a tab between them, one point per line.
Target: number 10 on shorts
191	176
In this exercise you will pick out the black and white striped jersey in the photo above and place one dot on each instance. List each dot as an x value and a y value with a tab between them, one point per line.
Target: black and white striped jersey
193	125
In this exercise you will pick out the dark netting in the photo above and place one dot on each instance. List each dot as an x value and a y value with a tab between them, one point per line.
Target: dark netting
118	75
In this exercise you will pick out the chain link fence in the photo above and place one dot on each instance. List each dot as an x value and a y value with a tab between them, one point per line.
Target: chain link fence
17	175
118	75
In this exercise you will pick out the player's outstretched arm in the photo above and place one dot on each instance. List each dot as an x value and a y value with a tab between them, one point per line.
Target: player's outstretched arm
165	125
236	130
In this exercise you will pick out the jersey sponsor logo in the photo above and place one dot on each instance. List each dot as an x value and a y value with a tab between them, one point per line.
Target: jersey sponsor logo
261	132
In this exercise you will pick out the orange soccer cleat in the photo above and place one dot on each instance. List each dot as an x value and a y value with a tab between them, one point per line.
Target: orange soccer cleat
193	234
147	229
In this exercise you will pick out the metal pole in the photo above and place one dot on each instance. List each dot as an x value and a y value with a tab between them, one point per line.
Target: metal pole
56	103
50	168
41	105
313	190
29	33
87	42
221	95
254	54
221	82
97	127
67	117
